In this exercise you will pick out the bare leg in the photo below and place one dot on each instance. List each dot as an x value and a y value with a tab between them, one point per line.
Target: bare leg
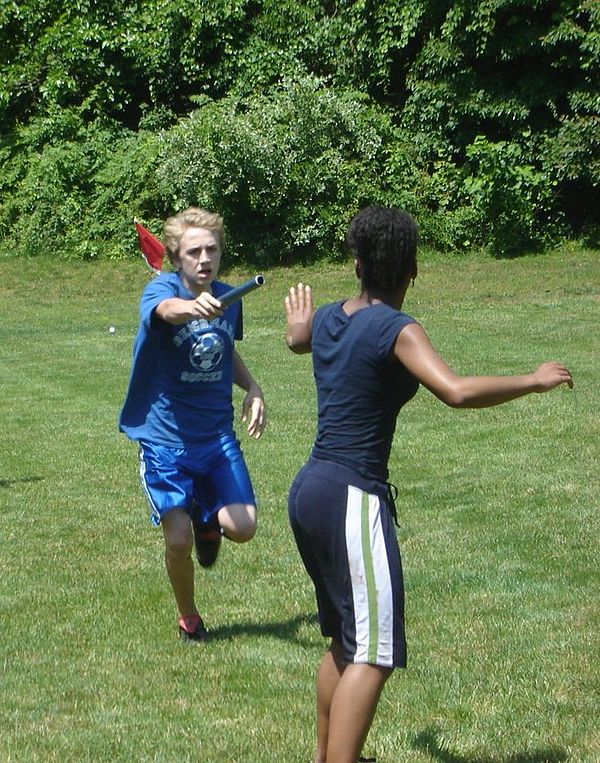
330	672
346	706
352	711
177	531
238	521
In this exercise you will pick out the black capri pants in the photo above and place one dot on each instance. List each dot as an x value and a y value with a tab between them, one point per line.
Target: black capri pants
345	533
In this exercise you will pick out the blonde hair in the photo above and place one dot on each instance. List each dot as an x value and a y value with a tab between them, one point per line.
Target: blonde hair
192	217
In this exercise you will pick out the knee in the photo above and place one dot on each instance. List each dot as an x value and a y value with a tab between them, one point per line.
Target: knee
178	551
177	532
243	531
238	523
179	545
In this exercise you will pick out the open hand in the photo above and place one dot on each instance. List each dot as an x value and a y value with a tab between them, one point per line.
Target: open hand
299	313
253	412
551	374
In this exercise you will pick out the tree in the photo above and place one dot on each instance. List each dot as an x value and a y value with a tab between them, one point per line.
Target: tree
485	107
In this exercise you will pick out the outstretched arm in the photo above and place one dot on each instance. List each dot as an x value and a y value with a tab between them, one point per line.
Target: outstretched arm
414	350
299	313
177	311
253	405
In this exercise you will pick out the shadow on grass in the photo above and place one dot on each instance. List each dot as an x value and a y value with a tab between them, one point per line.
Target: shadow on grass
431	742
18	480
287	631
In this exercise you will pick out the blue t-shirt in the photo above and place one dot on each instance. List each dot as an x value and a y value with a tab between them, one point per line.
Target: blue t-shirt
360	386
180	389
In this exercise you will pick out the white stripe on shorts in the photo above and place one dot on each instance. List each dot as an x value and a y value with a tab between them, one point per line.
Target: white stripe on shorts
370	579
154	515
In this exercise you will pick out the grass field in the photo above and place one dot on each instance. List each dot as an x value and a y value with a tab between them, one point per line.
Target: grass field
499	533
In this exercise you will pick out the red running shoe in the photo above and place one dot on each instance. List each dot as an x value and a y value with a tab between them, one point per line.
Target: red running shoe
192	629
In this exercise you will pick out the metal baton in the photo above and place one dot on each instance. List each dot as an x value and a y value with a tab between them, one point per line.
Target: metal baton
240	291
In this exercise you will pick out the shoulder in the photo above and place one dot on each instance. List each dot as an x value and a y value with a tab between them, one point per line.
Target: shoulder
384	324
390	315
324	311
165	283
382	315
161	288
328	317
391	312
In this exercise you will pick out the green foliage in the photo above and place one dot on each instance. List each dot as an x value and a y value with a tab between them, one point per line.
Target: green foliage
76	189
506	71
501	66
511	195
49	184
126	186
97	95
430	183
572	158
115	59
287	169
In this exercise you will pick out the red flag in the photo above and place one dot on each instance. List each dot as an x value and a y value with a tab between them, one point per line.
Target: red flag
153	250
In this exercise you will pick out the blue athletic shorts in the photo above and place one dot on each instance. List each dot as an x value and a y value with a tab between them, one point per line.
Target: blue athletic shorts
200	479
346	536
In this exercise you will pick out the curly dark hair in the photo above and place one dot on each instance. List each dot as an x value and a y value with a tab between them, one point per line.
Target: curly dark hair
384	241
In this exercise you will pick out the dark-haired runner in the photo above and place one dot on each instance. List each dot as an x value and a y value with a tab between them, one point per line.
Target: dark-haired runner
369	358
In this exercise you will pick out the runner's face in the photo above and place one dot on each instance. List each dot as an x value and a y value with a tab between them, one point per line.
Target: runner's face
198	259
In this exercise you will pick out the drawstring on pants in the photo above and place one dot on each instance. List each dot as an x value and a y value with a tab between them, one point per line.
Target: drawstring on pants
392	494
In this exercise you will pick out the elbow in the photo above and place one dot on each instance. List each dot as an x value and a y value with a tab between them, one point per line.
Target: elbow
457	402
454	396
453	401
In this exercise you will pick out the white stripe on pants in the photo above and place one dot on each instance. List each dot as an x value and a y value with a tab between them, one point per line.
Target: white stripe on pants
370	579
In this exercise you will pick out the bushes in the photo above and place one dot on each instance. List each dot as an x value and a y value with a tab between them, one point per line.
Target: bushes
480	118
286	169
45	187
513	198
74	194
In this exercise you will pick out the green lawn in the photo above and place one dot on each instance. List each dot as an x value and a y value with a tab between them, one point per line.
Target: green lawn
499	533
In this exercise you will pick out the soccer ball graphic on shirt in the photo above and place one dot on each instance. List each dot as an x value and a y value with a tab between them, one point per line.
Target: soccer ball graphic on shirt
206	354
